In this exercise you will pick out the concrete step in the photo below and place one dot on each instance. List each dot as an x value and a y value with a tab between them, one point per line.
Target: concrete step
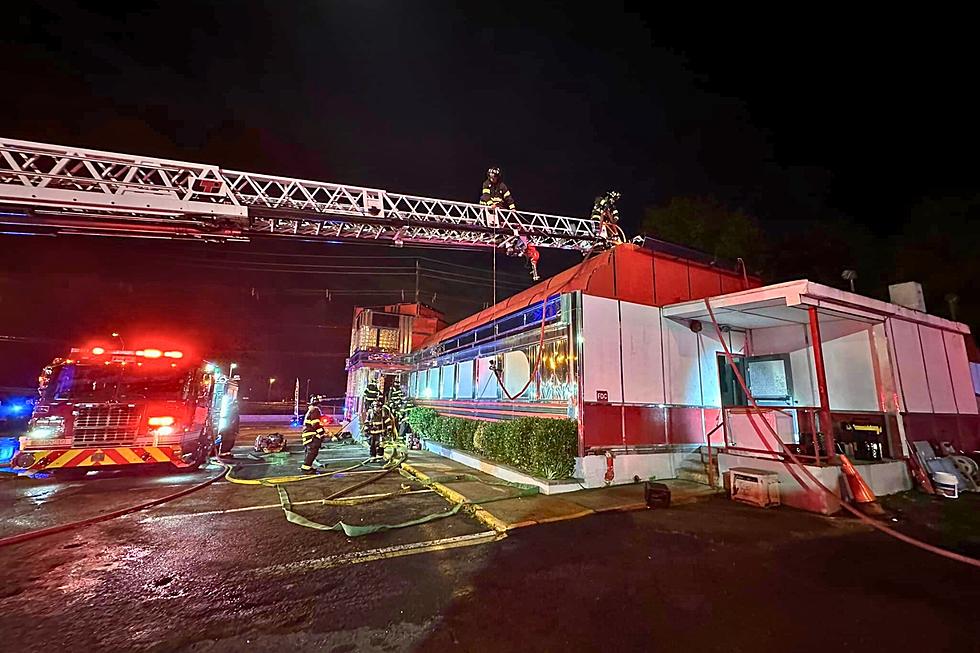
701	478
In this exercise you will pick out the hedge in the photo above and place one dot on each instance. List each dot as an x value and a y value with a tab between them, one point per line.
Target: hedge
542	447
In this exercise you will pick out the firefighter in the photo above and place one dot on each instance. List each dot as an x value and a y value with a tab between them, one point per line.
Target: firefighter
396	402
313	434
520	245
495	192
380	426
371	394
605	212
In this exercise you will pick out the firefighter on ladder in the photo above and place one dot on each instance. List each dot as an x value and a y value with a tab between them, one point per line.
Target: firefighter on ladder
495	192
604	211
496	195
313	434
520	245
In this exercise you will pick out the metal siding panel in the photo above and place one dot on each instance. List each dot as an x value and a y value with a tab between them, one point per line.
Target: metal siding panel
643	370
959	367
602	282
670	280
911	369
937	370
684	425
704	283
601	348
603	425
634	276
644	425
731	284
683	370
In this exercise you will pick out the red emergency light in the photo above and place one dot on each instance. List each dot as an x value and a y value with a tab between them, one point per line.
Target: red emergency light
97	351
173	354
149	353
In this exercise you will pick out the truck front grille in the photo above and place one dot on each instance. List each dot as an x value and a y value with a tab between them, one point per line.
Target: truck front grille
103	425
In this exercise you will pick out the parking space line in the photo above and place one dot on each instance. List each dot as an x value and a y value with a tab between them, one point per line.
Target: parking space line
371	555
267	506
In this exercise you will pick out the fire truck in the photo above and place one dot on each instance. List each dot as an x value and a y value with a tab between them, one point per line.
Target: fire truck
100	408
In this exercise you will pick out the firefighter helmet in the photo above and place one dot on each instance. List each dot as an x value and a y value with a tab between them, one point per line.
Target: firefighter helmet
613	195
493	172
270	443
315	399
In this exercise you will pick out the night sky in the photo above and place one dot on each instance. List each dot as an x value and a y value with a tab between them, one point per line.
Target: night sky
790	115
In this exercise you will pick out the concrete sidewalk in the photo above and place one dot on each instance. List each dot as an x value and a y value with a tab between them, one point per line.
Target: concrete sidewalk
490	505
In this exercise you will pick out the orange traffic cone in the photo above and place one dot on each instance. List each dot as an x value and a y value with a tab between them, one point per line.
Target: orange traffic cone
861	493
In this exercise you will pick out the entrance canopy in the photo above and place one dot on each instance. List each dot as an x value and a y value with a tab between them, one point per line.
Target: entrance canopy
787	303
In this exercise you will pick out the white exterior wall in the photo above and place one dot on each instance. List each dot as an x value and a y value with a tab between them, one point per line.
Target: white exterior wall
691	363
933	369
959	369
940	384
601	357
911	366
848	360
643	361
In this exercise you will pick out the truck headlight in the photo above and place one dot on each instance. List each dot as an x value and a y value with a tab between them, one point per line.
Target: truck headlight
46	428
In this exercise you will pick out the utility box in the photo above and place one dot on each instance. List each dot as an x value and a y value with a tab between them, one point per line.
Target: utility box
908	294
758	487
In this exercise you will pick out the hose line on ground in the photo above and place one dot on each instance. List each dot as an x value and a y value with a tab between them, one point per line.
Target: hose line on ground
31	535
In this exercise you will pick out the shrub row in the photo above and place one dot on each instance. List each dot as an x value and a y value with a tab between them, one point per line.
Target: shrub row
544	448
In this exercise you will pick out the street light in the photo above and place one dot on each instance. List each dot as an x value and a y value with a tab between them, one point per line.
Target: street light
269	396
231	369
122	344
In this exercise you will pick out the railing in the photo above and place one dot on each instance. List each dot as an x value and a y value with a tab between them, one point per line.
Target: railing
807	444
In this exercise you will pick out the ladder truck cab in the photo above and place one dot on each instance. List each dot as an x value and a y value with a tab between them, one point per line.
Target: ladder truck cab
100	408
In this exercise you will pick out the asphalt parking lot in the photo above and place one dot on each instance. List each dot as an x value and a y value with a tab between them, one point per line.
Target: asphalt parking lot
223	570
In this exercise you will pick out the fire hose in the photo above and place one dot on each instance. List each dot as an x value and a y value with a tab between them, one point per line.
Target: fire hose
792	456
61	528
537	363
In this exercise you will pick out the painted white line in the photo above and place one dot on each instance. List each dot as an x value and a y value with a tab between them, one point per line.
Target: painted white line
371	555
266	507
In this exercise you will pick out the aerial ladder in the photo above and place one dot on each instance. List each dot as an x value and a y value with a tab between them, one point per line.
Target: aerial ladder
52	189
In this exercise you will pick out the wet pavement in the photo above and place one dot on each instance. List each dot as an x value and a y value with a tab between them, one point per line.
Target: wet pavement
222	570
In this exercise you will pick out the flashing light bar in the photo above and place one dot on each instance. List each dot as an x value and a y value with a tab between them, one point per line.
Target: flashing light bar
97	351
173	354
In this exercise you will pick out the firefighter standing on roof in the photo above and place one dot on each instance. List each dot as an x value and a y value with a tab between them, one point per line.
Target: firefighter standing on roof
604	211
495	192
313	434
